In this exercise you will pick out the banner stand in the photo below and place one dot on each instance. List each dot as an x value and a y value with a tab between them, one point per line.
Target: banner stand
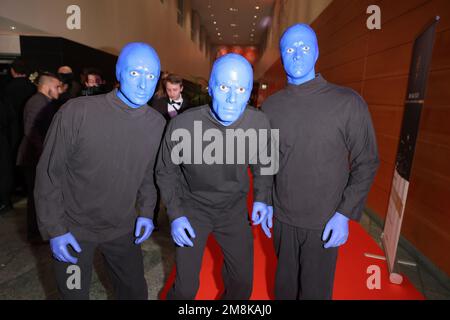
415	97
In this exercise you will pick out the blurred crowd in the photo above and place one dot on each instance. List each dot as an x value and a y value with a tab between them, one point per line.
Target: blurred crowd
28	102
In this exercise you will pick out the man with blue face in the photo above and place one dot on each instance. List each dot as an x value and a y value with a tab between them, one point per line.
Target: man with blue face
204	195
328	160
95	184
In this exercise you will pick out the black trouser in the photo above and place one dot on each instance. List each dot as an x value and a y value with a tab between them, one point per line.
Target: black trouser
305	268
32	226
233	234
157	206
123	261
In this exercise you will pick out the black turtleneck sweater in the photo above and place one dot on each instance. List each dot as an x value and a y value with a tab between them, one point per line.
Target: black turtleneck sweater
215	188
95	174
328	153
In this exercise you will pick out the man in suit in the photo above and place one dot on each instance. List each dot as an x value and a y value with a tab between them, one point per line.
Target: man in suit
37	117
16	94
170	105
174	102
8	136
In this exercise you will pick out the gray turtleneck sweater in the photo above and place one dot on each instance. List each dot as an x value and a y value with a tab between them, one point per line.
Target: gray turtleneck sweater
214	188
95	174
328	153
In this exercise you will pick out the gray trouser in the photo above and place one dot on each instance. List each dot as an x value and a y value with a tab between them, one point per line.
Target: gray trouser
233	234
305	268
123	261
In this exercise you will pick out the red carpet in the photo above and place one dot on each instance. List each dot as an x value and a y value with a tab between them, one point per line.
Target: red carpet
351	272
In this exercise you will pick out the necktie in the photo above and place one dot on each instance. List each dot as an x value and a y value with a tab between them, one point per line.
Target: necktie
175	104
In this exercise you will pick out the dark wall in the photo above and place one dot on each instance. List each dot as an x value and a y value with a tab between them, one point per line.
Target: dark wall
49	53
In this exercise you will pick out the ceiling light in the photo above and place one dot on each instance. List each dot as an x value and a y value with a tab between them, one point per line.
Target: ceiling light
13	28
215	22
218	33
234	9
255	17
257	7
233	25
235	36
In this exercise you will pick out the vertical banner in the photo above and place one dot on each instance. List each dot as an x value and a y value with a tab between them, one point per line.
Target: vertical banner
418	75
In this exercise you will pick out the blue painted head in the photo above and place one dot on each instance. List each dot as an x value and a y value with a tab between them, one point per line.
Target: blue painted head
137	70
230	86
299	53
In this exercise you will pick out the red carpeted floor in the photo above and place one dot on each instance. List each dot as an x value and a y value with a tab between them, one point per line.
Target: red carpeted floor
351	271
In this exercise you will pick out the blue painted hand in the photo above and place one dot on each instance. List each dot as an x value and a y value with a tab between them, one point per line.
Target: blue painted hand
178	230
59	249
338	227
147	225
268	222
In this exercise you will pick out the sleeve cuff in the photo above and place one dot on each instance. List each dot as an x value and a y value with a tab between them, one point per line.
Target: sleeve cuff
146	212
53	232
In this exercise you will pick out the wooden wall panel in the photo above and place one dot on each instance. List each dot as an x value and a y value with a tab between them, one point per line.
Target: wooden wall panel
441	53
356	49
349	72
342	37
389	63
387	119
349	10
386	91
432	237
378	199
357	86
438	92
387	147
430	189
393	9
435	121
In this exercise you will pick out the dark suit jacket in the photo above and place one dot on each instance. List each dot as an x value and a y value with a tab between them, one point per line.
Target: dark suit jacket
16	94
38	114
161	106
